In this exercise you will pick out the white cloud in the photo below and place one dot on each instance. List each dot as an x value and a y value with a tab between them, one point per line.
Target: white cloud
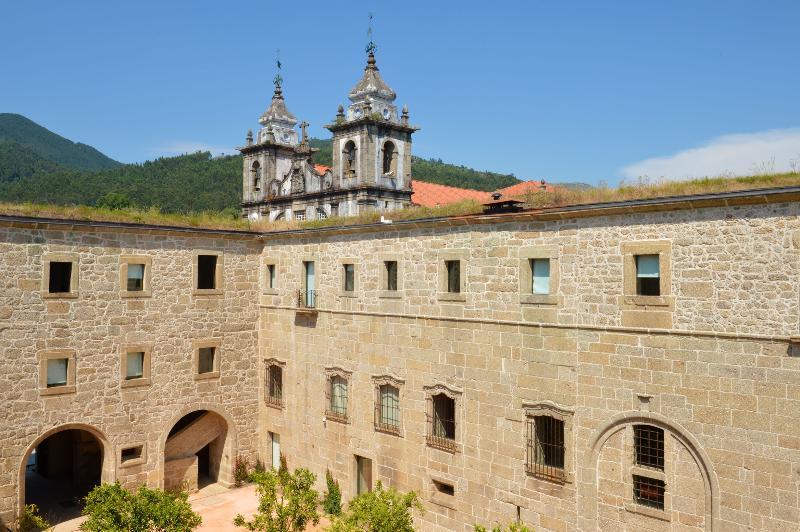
777	150
180	147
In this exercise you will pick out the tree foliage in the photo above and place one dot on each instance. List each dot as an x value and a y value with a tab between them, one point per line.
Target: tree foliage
332	501
287	501
112	508
30	520
513	527
380	510
114	201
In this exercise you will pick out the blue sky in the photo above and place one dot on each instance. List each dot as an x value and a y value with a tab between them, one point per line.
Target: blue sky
568	91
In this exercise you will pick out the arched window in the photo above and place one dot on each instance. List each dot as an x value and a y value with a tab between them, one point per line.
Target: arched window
255	173
349	159
389	159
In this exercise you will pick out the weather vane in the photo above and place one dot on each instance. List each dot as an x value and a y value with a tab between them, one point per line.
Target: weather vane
370	45
278	79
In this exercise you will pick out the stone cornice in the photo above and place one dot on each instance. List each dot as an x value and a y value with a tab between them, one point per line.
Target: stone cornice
370	121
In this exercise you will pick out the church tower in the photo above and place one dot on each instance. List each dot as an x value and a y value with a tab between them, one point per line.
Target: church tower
372	145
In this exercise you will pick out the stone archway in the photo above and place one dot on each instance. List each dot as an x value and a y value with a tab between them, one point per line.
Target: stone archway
198	448
61	466
589	477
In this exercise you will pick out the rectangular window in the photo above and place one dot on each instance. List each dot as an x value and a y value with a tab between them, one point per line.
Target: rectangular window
134	365
57	372
648	491
135	278
300	215
545	447
648	281
444	488
337	408
648	442
363	475
205	361
349	277
271	276
131	453
453	276
206	272
275	385
391	275
388	414
275	448
442	423
60	277
540	274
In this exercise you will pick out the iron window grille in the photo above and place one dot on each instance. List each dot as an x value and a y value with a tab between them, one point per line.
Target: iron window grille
275	386
545	448
648	491
649	446
307	299
387	409
337	399
441	432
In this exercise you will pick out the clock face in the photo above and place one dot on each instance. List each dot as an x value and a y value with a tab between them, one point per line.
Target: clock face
285	137
386	112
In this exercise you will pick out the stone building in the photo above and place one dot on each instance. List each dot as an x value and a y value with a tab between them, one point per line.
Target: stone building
371	158
625	366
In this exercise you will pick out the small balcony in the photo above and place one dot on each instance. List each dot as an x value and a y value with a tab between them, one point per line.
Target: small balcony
307	301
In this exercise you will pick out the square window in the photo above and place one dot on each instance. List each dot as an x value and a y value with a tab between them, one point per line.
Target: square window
131	453
205	359
300	215
60	277
648	442
135	281
391	275
545	447
206	272
134	365
453	276
271	276
349	277
57	372
540	274
648	280
648	491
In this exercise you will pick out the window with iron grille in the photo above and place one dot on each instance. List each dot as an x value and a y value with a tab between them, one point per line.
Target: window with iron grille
648	443
648	491
442	423
387	409
275	385
545	447
337	398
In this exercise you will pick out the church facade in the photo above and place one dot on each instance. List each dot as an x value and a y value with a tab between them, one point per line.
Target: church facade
371	158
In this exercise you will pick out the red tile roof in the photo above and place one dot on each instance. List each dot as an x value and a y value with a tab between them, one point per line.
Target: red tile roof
520	189
320	169
433	195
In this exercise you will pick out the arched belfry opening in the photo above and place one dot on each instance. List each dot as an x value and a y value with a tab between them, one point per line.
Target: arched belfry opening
198	452
389	159
61	468
349	159
255	174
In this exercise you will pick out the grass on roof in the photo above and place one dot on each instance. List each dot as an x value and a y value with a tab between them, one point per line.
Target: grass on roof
553	197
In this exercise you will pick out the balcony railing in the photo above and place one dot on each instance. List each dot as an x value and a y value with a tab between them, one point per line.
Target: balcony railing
307	300
441	434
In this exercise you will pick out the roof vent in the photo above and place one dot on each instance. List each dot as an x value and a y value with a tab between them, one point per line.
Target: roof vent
498	204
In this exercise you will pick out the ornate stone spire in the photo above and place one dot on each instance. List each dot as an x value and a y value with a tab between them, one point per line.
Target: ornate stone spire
371	85
277	119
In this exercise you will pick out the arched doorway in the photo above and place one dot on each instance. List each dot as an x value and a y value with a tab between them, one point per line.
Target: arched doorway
198	451
61	467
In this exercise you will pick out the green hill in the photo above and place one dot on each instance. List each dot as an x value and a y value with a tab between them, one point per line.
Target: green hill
19	131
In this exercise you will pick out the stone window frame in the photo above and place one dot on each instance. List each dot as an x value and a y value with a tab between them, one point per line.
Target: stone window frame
384	278
631	468
462	256
268	364
211	342
74	279
356	270
397	382
142	459
218	273
265	278
145	380
629	251
454	394
526	254
52	354
563	414
437	496
124	261
347	375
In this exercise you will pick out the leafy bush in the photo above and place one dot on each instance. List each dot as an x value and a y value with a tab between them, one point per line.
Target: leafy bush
287	501
30	520
112	508
332	502
513	527
379	511
241	471
114	201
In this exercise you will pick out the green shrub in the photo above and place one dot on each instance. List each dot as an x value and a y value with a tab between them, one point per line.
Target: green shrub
379	511
241	471
114	201
30	520
112	508
332	502
513	527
